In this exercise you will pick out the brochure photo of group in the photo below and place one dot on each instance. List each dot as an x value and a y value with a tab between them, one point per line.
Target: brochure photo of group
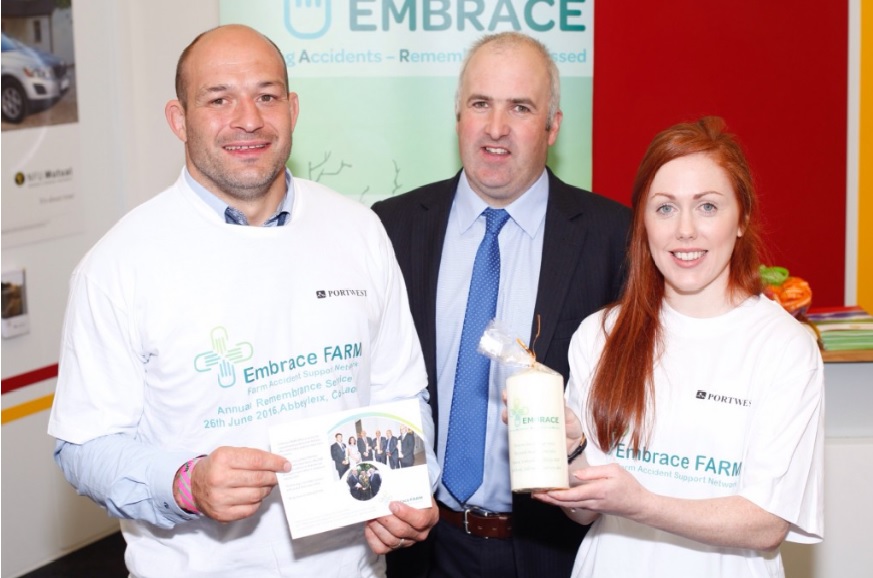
359	457
364	481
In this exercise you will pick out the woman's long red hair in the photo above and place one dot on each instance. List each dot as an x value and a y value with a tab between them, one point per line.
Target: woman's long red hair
621	392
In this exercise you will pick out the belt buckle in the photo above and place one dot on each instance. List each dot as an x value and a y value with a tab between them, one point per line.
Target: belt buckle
482	512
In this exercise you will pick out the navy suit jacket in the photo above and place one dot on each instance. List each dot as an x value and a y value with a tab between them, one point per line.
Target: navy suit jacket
392	445
582	269
338	453
407	446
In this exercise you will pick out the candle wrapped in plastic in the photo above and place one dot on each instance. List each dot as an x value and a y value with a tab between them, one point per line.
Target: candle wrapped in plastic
535	414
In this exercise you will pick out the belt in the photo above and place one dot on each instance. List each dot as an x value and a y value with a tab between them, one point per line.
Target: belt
478	522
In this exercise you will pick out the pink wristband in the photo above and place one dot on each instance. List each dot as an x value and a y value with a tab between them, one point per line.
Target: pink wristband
183	485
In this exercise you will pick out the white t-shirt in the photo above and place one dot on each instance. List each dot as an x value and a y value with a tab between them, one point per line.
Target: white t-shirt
189	334
739	410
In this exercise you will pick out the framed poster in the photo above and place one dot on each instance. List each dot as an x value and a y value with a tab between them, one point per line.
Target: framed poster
40	119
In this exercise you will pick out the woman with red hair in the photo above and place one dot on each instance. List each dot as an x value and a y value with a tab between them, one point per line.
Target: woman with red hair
702	400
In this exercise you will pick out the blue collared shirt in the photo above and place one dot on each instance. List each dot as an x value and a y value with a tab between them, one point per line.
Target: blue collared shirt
236	217
521	249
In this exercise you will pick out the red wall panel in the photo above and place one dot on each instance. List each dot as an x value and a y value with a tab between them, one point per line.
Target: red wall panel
775	71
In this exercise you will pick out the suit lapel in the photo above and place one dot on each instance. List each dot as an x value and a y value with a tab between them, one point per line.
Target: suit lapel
562	244
434	218
435	215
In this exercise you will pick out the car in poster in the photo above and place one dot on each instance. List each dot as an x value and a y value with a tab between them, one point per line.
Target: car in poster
33	80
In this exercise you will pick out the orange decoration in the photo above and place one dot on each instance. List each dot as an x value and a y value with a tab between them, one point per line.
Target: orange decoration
794	294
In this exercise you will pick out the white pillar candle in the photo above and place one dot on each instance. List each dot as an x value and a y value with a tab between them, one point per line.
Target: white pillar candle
537	440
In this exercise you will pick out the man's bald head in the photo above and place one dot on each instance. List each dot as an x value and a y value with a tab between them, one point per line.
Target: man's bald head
236	29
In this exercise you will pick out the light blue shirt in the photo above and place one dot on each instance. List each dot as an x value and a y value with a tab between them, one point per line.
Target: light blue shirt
521	250
222	208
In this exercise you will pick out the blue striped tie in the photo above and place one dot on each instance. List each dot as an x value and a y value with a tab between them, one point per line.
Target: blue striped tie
465	446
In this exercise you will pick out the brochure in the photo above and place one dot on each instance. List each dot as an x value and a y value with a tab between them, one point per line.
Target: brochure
346	467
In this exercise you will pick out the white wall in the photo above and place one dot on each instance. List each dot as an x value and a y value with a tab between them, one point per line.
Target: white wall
125	65
846	551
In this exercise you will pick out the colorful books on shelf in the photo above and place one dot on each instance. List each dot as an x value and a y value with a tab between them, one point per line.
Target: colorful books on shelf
843	328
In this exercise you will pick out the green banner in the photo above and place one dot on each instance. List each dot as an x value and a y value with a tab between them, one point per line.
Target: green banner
376	81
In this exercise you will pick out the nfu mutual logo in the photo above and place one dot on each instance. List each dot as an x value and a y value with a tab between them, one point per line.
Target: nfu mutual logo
311	19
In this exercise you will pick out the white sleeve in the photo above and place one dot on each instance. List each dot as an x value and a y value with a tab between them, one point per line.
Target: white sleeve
783	468
97	406
397	370
100	389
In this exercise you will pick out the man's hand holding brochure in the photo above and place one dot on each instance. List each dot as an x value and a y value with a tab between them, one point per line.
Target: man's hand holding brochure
336	481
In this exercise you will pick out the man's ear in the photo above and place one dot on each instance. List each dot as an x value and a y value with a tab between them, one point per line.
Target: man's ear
175	113
556	126
293	108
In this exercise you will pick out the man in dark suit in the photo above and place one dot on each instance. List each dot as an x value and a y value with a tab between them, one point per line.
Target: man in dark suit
561	259
407	447
375	481
392	443
354	482
338	453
